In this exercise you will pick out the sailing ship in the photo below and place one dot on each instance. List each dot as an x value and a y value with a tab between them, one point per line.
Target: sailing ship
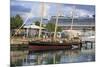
54	43
39	45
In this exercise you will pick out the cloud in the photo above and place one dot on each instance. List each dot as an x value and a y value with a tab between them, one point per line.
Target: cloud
77	12
19	8
50	9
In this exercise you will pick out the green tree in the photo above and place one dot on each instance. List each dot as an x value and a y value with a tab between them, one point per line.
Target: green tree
37	23
12	22
51	27
16	21
59	29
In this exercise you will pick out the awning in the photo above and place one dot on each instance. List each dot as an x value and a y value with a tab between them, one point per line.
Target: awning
33	27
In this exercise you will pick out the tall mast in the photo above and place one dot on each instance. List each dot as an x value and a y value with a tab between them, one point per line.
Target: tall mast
72	15
42	12
57	16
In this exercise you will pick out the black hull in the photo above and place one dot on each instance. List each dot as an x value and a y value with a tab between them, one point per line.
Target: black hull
39	46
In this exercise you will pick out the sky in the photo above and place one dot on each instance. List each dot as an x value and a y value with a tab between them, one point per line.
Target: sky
33	9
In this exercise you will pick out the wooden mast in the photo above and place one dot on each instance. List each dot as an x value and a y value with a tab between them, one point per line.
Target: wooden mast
72	16
42	12
57	17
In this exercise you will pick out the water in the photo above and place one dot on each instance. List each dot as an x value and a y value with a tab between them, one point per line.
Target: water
55	57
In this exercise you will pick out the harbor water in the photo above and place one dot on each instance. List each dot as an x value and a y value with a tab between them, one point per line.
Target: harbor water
29	58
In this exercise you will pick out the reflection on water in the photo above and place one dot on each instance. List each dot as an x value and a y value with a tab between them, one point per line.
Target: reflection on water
56	57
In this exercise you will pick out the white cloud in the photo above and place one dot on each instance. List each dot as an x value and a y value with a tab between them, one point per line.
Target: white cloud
49	10
77	12
83	13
